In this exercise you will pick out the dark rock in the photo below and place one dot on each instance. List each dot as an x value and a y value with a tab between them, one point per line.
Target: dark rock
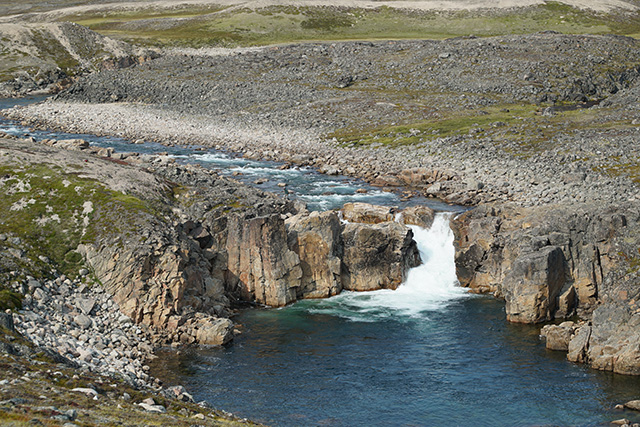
377	256
6	321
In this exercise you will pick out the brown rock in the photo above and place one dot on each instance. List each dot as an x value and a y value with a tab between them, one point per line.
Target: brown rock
421	216
209	330
579	345
416	176
533	284
557	337
634	405
366	213
261	267
377	256
387	181
316	238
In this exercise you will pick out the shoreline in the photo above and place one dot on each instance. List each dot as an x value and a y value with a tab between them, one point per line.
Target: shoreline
469	182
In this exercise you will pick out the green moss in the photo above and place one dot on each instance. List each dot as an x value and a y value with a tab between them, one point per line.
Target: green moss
49	47
10	300
53	212
197	26
419	132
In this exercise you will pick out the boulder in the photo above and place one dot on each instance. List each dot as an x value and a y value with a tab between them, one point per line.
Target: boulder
73	144
533	284
366	213
557	337
86	305
6	321
159	409
316	239
634	405
377	256
83	321
579	345
421	216
416	176
212	331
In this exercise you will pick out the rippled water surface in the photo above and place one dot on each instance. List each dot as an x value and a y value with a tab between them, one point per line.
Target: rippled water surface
320	192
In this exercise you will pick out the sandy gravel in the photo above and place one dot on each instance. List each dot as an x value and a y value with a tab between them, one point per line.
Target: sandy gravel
422	5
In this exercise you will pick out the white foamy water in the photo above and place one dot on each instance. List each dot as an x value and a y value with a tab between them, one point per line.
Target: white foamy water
215	158
330	201
430	286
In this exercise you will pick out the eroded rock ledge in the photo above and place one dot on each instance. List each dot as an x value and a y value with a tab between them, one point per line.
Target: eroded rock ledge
555	262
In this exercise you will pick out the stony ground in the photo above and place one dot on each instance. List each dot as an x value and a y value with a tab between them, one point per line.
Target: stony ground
66	338
509	124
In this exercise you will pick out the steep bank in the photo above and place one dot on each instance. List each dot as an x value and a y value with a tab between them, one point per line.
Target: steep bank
106	255
177	245
554	262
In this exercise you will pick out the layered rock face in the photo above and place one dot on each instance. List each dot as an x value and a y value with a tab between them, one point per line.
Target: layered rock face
274	261
554	262
230	243
260	266
316	239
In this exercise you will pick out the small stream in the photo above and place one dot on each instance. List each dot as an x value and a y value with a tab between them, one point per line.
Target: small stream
427	354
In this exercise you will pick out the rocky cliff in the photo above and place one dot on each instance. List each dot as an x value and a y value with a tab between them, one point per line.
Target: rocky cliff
176	246
554	262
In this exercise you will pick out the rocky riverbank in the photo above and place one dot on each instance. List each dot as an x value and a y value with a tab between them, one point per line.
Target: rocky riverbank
539	130
107	256
411	113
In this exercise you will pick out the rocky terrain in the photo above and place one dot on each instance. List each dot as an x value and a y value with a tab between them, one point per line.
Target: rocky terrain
106	256
395	113
46	57
540	131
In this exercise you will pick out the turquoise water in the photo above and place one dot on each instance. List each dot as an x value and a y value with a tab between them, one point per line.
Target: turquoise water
427	354
462	365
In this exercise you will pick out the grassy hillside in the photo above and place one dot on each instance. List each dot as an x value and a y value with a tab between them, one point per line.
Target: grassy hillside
219	26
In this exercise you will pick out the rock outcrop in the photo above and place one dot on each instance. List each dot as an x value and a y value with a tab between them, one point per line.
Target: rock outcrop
316	256
377	256
366	213
261	267
316	239
554	262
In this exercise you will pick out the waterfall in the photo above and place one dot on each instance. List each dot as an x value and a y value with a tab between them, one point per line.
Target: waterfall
428	287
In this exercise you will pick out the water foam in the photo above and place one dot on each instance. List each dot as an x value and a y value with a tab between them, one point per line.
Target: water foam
430	286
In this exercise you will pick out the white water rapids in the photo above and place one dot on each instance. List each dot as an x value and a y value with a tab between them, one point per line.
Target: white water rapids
428	287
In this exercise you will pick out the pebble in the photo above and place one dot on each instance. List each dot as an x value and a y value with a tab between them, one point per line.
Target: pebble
47	319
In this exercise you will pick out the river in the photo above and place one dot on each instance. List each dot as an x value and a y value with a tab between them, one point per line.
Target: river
427	354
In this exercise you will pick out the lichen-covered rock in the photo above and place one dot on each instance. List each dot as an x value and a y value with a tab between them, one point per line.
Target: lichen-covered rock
377	256
316	238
